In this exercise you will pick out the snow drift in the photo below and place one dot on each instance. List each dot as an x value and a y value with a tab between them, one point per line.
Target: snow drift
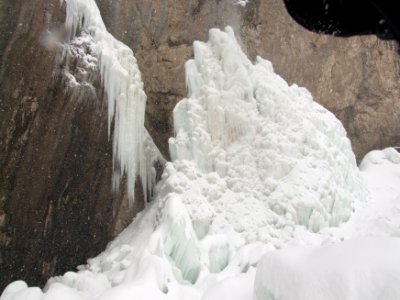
360	269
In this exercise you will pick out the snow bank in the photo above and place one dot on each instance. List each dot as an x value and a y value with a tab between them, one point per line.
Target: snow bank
367	266
124	88
361	269
381	217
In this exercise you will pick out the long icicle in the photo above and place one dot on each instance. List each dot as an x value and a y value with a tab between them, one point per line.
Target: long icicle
123	85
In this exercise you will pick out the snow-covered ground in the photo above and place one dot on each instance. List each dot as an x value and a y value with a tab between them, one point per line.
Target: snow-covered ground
319	266
367	269
263	199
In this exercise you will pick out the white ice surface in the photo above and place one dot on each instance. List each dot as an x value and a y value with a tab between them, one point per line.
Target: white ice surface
269	143
258	166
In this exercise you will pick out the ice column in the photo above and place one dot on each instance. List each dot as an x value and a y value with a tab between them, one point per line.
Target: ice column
124	89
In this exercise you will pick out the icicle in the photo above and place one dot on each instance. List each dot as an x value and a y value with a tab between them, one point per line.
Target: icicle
126	99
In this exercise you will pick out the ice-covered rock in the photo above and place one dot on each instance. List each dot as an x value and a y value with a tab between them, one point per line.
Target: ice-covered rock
123	85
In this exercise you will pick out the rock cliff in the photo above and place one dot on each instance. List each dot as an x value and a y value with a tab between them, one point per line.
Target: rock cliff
56	204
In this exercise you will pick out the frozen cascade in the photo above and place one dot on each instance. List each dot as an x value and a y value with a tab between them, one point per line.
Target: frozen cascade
257	167
123	85
270	142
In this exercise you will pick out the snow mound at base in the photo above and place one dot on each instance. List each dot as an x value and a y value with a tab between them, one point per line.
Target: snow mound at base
360	269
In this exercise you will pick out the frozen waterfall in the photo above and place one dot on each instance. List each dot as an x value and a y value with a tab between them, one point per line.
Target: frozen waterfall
258	166
270	142
123	85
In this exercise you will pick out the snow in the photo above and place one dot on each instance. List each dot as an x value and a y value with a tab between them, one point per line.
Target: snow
381	172
81	50
242	2
123	85
360	269
261	192
365	266
20	290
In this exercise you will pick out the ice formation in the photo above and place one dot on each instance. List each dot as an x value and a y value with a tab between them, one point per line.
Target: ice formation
80	53
365	266
123	85
271	143
257	167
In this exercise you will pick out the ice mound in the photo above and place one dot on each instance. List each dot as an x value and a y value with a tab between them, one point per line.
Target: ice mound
278	152
360	269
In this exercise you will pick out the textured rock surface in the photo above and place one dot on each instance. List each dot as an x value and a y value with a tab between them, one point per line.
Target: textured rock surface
56	204
356	78
56	200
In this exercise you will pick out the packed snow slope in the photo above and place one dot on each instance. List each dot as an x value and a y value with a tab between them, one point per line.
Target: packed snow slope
257	166
135	266
364	267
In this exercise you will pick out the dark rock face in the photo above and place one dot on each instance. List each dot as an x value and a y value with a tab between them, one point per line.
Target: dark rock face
56	204
356	78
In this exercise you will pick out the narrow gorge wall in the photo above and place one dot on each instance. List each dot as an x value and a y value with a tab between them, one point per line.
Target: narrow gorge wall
56	204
